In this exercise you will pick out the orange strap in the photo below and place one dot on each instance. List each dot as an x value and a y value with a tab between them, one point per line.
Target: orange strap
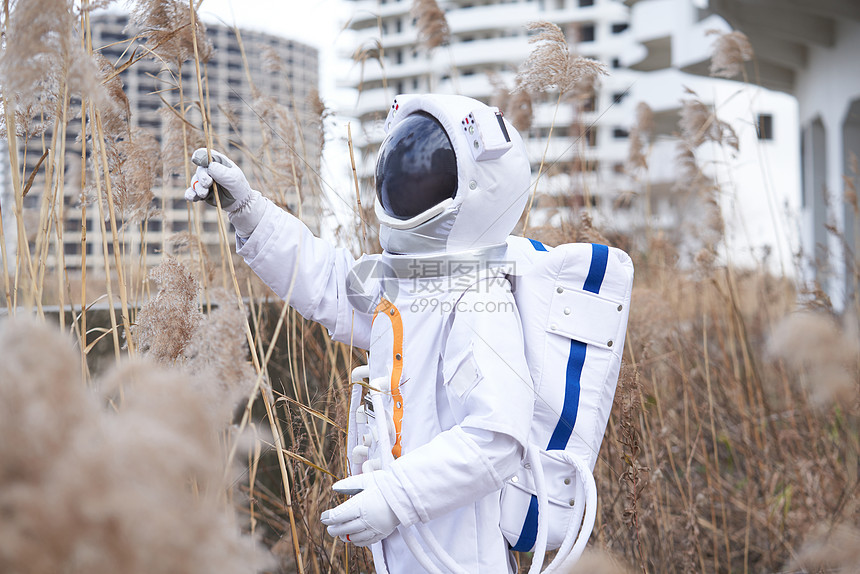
388	309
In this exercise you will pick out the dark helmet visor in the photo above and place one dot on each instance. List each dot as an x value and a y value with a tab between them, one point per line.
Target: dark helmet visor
416	167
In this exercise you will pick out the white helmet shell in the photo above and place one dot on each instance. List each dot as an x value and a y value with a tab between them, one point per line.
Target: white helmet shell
493	180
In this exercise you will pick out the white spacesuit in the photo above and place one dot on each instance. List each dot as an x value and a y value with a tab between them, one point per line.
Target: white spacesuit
444	335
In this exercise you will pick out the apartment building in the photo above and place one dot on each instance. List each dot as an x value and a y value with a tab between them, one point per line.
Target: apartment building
284	73
488	42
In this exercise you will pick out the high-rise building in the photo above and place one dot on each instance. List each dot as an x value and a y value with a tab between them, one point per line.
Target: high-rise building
488	42
259	93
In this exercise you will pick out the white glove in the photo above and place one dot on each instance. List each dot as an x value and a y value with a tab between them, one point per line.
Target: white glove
365	518
244	206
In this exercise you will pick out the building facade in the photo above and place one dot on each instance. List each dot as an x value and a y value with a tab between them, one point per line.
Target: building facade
586	161
756	185
808	49
488	42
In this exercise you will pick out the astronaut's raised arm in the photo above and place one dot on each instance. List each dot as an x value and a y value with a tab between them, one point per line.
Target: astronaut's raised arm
300	268
306	271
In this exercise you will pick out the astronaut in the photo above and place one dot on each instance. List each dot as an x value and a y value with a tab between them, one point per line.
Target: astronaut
444	337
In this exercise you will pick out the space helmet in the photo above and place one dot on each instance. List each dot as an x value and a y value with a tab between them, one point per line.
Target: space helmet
452	175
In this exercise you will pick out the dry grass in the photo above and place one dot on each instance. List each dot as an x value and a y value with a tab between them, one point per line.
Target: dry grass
730	51
552	65
103	484
733	445
433	30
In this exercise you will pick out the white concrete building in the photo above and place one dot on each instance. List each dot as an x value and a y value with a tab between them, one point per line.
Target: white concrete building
809	49
488	41
672	41
643	45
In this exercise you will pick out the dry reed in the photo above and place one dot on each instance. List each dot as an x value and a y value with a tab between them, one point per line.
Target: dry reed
433	30
730	51
552	66
90	487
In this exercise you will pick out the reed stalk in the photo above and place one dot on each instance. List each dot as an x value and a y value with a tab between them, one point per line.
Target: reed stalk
540	167
357	193
17	190
223	232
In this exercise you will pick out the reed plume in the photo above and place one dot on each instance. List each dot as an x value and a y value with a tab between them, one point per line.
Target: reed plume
167	27
830	549
825	351
698	123
515	104
431	24
640	136
166	323
41	49
135	167
113	105
552	66
85	488
217	356
729	53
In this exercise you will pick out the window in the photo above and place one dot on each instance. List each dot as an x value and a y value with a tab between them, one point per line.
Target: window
71	248
149	123
586	33
616	63
151	103
764	127
618	97
620	133
113	37
618	28
584	3
589	104
580	165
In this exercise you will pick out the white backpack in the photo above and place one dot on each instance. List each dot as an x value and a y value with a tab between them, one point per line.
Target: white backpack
574	302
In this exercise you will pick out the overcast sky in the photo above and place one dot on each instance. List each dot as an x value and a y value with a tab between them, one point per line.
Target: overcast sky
317	23
314	22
